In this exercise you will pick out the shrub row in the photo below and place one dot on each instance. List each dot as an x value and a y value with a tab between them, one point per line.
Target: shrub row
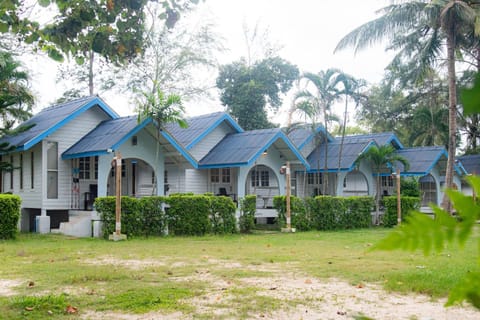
176	214
247	216
408	204
326	212
9	215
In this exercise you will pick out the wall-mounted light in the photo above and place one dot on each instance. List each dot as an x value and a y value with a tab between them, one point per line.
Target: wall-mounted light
265	153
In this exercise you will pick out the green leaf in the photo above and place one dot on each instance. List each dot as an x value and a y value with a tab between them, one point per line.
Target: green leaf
44	3
467	289
55	55
3	27
80	60
471	98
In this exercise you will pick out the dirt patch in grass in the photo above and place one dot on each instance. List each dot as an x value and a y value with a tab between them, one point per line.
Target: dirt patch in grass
7	287
280	292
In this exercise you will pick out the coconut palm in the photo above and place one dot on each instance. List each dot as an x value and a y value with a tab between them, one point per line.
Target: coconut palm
162	109
428	126
317	97
381	158
420	29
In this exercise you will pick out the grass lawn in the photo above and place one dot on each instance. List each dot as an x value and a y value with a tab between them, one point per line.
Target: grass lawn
137	276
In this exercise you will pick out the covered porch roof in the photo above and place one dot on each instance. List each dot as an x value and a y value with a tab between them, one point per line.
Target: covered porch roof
242	149
109	135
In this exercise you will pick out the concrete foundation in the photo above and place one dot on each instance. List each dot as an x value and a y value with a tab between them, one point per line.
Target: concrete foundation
42	224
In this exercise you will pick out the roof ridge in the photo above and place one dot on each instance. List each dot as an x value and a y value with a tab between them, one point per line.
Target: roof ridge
59	105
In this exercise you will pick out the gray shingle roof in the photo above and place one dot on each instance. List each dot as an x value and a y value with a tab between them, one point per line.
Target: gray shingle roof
243	148
423	159
302	135
380	138
50	119
105	136
350	153
471	163
199	127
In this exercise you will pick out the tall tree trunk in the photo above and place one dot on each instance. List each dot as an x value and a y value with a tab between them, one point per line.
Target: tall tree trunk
90	73
325	167
340	151
452	115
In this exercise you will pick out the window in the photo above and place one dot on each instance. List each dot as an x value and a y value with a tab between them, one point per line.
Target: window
226	175
387	181
96	167
260	178
84	167
32	170
314	178
11	173
165	177
21	171
52	170
215	175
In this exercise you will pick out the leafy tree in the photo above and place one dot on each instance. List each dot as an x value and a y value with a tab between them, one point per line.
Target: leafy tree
428	127
16	100
416	29
173	56
247	90
379	158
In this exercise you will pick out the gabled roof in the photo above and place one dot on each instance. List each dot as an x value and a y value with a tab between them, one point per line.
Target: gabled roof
302	135
199	127
53	118
423	159
381	139
471	163
350	153
242	149
109	135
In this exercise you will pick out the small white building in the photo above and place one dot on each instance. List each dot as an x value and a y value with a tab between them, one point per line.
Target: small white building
63	162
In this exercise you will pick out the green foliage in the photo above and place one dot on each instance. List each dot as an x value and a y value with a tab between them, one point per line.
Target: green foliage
408	204
188	215
326	212
471	98
299	215
409	187
154	218
9	215
247	213
246	90
41	306
185	214
222	215
427	234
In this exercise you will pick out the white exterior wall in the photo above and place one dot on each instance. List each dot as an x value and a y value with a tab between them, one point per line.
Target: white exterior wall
66	137
176	179
201	149
196	181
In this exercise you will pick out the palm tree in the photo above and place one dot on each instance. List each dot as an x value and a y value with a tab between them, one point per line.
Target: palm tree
162	109
429	127
380	158
419	30
317	98
16	100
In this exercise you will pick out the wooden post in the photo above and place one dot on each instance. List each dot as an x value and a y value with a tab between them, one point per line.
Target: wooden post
287	196
117	165
399	201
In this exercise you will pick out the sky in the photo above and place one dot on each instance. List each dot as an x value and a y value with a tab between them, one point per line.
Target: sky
306	30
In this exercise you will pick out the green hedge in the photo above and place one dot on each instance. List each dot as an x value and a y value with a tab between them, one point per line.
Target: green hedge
9	215
408	204
300	218
185	215
248	207
327	212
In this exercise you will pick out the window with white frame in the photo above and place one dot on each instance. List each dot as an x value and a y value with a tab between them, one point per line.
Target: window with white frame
314	178
387	181
52	170
226	175
215	175
260	178
84	168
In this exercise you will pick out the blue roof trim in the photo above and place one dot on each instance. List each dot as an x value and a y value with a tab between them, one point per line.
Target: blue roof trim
184	153
131	133
310	138
224	117
43	135
442	153
280	135
460	167
394	138
85	154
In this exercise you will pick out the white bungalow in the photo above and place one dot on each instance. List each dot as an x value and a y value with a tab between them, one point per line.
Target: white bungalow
64	161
